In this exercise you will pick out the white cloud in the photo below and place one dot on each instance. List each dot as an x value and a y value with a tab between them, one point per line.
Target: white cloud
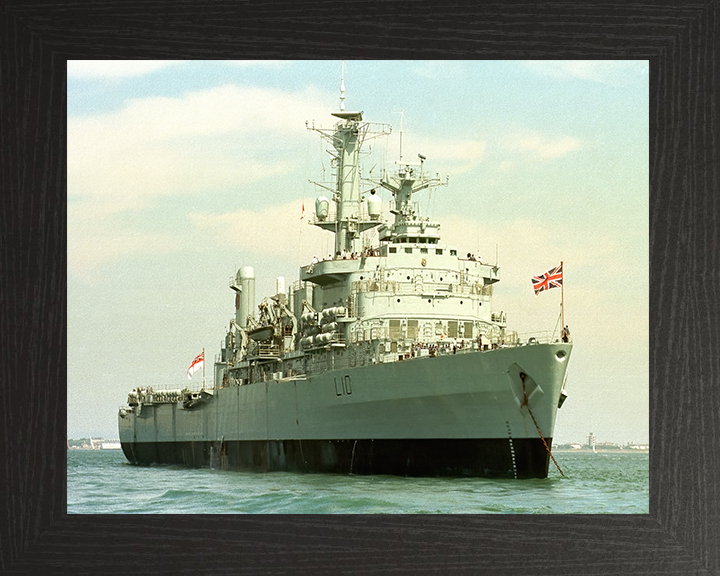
203	141
455	156
221	110
539	145
217	139
114	69
92	244
274	232
277	231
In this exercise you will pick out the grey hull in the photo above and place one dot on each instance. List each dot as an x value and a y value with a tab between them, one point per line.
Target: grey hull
465	414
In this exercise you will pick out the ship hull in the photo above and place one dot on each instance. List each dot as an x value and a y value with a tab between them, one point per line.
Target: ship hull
521	458
488	413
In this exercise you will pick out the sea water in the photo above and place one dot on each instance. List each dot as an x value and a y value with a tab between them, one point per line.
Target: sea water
103	482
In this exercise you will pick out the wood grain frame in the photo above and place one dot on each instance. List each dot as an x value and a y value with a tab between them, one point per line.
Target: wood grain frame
682	531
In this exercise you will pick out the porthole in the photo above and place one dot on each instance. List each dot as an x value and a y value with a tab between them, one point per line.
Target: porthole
398	299
560	355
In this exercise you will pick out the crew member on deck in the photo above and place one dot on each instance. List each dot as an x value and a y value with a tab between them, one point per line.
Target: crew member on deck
566	334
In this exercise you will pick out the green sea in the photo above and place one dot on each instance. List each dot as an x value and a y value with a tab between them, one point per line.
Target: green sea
103	482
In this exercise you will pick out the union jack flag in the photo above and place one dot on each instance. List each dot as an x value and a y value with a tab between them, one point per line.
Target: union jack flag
551	279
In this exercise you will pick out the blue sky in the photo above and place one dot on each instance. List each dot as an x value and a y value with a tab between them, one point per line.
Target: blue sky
181	172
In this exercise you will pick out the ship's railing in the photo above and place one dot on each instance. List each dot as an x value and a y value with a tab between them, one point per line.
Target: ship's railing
448	346
541	337
506	338
420	286
494	338
164	395
369	334
332	214
266	350
512	339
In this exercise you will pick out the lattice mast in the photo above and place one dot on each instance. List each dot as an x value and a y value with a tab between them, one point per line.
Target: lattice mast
347	138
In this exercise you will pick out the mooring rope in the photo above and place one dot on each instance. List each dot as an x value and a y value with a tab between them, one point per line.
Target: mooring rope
527	404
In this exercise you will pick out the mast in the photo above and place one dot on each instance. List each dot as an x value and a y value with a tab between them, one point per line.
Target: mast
409	179
342	87
401	132
347	138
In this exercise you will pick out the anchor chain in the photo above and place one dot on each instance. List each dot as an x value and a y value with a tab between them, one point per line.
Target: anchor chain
527	405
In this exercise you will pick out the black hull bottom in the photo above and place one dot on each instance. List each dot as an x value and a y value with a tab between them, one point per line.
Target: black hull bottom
524	458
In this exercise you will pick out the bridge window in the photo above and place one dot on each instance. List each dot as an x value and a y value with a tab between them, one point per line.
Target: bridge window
468	330
412	328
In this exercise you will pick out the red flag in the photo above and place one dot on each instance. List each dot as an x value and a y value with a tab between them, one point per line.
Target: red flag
551	279
303	211
198	363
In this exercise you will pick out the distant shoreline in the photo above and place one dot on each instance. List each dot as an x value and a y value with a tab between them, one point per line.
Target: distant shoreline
604	450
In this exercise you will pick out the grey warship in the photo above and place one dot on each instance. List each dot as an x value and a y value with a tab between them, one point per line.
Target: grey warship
384	358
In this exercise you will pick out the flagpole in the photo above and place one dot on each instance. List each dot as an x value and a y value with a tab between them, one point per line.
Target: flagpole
562	296
203	368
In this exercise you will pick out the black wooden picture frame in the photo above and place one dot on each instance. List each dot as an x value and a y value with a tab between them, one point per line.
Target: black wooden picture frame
681	533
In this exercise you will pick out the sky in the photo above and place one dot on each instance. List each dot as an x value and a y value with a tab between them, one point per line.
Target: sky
180	172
